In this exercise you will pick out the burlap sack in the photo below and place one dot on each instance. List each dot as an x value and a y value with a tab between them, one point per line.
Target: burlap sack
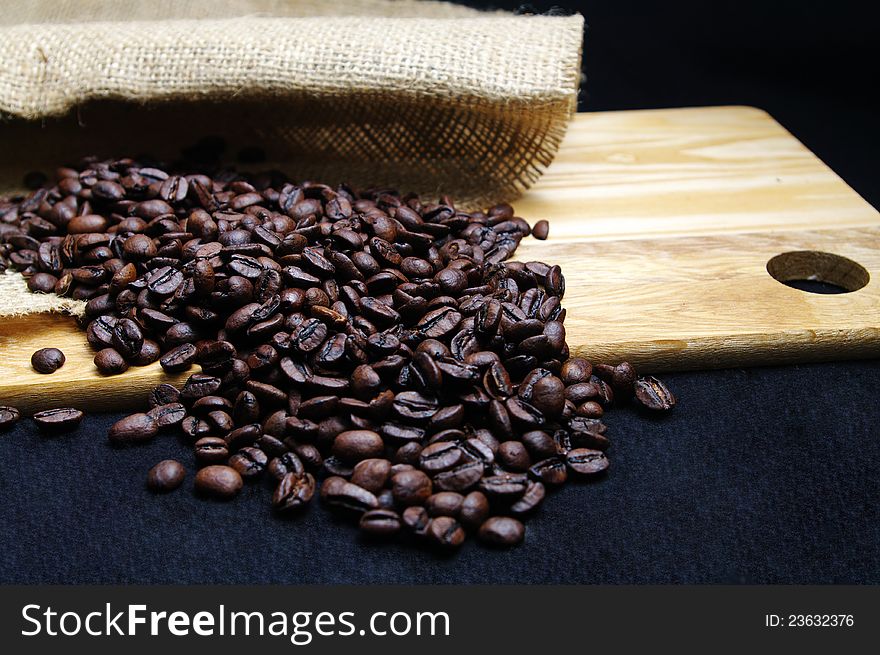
423	96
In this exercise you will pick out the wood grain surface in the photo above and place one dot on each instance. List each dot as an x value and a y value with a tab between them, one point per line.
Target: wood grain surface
663	222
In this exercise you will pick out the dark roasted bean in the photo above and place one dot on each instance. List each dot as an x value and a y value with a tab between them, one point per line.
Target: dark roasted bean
47	360
653	394
166	476
9	416
133	429
502	531
62	419
217	481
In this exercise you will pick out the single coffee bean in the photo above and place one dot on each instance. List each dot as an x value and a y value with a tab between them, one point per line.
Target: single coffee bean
417	519
444	503
250	462
62	419
502	531
356	445
294	492
585	461
348	496
653	394
514	456
166	476
47	360
381	522
411	487
550	471
541	230
109	362
211	450
9	416
136	428
167	415
217	481
474	509
446	532
532	498
179	358
371	474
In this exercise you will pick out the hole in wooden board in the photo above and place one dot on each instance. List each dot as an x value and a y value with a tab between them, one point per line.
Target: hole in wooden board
818	272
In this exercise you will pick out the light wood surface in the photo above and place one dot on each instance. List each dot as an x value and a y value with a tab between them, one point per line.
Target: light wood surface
663	222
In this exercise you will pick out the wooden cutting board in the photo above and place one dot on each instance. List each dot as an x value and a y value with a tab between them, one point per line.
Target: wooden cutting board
664	223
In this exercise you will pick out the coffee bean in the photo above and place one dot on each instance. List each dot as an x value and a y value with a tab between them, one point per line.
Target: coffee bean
62	419
502	531
653	394
514	456
179	358
531	498
461	478
109	362
250	462
348	496
474	509
550	471
47	360
371	474
166	476
585	461
541	229
167	415
137	428
8	417
381	522
411	487
294	492
218	481
446	532
444	503
356	445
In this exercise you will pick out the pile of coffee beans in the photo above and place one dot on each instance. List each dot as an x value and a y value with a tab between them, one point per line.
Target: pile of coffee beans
367	347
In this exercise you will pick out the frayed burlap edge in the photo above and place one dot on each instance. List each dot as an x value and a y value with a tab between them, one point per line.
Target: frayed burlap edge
17	300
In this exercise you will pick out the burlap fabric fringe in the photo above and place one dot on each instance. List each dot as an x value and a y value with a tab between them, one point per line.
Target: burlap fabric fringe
423	96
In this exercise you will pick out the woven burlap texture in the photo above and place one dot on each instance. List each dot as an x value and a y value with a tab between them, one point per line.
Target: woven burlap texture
424	96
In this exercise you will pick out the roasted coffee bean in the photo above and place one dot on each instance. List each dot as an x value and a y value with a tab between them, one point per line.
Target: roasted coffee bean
294	492
250	462
163	394
166	476
446	532
382	522
127	338
417	519
507	486
167	415
371	474
548	396
109	362
9	416
62	419
288	462
211	450
550	471
461	478
356	445
349	496
137	428
444	503
179	358
513	456
474	509
653	394
539	444
502	531
541	229
585	461
532	498
415	406
411	487
440	456
47	360
222	482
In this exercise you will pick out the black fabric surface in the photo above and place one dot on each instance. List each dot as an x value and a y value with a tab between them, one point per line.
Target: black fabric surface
767	475
763	476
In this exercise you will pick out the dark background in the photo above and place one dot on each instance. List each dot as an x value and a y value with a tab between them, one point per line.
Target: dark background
765	475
